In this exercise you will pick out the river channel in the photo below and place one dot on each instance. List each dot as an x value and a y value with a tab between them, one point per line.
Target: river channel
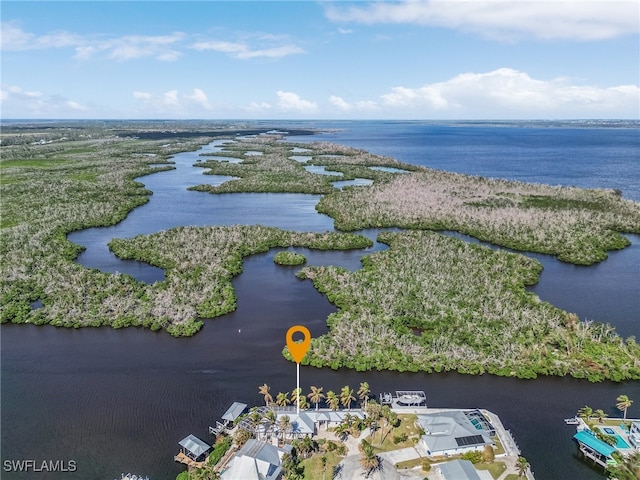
118	401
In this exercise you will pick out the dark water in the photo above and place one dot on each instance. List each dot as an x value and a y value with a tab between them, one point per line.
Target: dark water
119	400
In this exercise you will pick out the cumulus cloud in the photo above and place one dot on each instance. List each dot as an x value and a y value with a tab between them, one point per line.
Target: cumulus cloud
172	102
576	19
508	93
340	103
291	102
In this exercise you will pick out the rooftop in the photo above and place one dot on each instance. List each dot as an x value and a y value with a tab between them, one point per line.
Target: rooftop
194	445
450	431
594	443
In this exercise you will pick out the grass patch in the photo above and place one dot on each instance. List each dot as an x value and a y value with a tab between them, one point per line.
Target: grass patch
33	163
86	177
313	466
416	462
495	469
407	426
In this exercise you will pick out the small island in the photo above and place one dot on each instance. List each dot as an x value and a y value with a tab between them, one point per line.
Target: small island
289	258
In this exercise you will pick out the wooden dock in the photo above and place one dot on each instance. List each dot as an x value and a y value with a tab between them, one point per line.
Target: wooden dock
182	458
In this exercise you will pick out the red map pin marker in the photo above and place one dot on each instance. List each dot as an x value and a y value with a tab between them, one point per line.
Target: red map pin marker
298	349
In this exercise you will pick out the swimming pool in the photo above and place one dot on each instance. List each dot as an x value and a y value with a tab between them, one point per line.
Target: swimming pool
620	442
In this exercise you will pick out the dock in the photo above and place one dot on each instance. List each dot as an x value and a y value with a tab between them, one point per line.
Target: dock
404	399
182	458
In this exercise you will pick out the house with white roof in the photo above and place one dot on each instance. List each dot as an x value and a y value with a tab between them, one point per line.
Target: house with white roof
256	461
452	433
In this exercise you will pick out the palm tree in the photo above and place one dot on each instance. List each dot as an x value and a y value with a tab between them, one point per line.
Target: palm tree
269	421
374	414
264	390
623	404
600	415
522	466
346	397
284	425
369	461
586	412
333	400
316	395
363	394
296	394
282	399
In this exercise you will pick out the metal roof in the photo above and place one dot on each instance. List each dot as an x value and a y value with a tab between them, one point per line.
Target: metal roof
459	470
194	445
595	443
234	411
450	430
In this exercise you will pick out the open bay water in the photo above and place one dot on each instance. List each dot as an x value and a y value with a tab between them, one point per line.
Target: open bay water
119	400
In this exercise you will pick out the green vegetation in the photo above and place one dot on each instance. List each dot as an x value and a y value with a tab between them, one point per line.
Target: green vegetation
435	303
576	225
289	258
275	171
628	467
315	468
429	303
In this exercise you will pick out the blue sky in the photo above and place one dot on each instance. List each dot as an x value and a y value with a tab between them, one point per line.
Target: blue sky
418	59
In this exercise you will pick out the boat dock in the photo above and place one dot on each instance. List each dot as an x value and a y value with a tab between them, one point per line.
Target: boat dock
404	399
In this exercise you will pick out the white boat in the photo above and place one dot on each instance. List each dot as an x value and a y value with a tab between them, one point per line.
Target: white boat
572	421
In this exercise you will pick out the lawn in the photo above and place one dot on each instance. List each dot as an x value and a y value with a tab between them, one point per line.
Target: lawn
495	469
406	426
313	465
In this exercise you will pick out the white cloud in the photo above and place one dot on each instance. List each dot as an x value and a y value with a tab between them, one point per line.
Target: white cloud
172	102
200	98
243	50
257	107
289	101
340	103
127	47
508	93
14	38
20	103
576	19
131	47
142	95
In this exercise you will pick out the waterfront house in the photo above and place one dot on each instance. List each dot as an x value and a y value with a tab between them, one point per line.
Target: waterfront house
193	448
595	449
451	433
256	461
462	470
634	434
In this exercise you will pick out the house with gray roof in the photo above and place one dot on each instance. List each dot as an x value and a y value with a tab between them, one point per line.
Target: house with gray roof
194	448
256	461
462	470
451	433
